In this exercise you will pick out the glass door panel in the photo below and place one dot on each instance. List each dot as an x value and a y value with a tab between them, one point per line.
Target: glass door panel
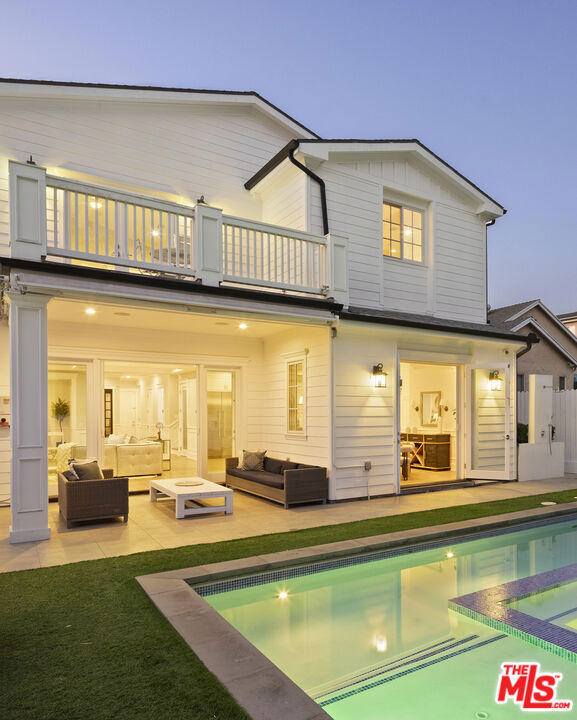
221	421
66	417
489	437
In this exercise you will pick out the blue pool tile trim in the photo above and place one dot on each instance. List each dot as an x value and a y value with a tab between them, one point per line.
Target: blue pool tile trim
491	607
262	578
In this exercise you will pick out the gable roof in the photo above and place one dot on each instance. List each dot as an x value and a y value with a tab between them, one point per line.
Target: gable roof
321	147
134	91
514	317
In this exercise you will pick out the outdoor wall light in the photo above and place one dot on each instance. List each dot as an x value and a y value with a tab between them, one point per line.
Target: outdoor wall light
379	376
495	382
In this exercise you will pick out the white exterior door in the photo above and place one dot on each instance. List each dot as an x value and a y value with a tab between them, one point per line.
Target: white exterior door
490	440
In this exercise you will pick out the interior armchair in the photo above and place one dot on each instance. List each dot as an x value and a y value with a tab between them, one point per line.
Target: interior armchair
93	499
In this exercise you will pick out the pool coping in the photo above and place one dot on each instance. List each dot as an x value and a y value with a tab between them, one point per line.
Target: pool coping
254	681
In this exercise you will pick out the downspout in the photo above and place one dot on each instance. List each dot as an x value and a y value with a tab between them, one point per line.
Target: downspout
491	222
317	179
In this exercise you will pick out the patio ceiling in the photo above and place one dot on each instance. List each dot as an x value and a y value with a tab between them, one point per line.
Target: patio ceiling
128	316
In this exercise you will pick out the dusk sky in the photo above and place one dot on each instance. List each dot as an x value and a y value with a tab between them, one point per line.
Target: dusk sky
490	87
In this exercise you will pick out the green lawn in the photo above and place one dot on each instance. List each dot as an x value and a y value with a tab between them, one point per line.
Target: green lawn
84	642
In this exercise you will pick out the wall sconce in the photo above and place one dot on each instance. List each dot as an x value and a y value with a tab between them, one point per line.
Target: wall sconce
495	382
379	376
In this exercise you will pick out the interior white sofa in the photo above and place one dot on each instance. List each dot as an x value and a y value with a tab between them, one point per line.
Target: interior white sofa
136	457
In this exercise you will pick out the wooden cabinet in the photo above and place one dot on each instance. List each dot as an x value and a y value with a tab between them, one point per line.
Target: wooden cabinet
432	451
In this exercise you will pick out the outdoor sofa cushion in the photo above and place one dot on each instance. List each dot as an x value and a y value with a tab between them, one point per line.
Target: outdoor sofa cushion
259	476
273	465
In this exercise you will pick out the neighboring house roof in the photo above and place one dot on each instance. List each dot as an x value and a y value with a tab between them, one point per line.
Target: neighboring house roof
322	148
426	322
516	317
568	316
246	95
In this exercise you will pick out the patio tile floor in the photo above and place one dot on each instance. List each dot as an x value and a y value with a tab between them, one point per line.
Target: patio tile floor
152	526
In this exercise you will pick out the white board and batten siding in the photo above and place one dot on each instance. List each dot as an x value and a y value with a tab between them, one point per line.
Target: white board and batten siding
177	151
314	445
364	416
450	282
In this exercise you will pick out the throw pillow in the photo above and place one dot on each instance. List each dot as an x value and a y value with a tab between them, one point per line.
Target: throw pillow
70	475
253	460
88	470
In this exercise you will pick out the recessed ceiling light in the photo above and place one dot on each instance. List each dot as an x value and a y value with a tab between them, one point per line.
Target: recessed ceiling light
177	370
282	595
127	377
450	554
90	311
243	326
95	205
155	233
122	314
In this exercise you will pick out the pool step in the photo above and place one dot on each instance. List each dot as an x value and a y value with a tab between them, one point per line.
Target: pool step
398	667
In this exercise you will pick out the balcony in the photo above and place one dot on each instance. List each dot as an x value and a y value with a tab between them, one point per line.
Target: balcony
90	225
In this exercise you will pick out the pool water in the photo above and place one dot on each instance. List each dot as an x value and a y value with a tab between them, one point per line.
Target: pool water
375	640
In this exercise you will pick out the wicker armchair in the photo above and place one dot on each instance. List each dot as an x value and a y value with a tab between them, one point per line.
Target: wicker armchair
92	499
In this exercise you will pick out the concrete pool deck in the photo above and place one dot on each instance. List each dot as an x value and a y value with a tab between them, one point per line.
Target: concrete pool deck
152	526
258	685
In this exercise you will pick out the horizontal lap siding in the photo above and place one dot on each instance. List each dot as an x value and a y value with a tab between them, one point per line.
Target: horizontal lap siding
182	150
364	417
283	198
314	446
459	265
354	208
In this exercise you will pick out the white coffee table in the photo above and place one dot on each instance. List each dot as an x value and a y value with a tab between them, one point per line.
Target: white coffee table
188	496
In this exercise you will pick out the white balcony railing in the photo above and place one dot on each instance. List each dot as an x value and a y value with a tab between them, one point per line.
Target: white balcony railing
80	223
272	256
94	224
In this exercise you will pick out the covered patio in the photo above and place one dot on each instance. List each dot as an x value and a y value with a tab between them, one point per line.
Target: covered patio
152	526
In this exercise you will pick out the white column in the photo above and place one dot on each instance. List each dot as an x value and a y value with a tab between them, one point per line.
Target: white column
29	418
338	268
208	244
27	211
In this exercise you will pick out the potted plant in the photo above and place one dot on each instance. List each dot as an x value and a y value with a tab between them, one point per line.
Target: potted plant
60	411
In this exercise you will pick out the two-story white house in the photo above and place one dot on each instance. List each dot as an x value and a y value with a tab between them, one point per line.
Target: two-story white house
201	265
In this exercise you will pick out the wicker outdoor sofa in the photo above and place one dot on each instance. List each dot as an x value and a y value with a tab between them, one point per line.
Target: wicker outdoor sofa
284	482
93	499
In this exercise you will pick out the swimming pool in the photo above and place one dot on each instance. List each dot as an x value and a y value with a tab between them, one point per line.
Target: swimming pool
372	637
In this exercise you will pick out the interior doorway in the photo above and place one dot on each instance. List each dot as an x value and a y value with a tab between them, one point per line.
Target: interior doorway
430	422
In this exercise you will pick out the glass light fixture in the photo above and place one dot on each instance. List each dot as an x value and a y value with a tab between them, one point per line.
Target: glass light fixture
495	382
243	326
283	595
95	204
90	311
380	643
379	376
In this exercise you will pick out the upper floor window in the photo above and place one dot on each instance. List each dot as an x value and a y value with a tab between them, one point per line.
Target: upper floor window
402	232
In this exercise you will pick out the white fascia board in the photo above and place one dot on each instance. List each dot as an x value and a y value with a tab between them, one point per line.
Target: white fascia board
325	151
548	336
112	292
103	94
